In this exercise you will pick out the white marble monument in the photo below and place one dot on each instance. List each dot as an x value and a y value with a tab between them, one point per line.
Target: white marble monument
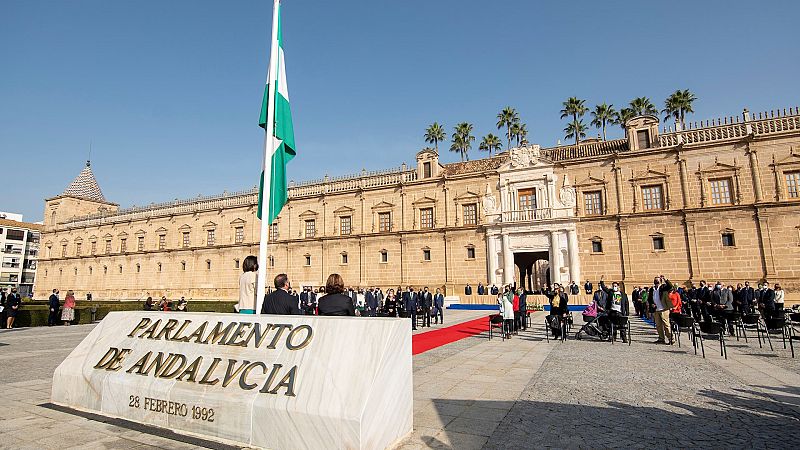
283	382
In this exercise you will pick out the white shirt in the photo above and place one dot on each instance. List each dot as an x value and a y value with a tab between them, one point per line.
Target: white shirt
657	298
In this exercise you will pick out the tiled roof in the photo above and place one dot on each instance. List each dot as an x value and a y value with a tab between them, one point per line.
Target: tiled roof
85	186
569	152
477	165
15	224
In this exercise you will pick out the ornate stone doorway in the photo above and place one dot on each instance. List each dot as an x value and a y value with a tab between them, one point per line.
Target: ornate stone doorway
531	268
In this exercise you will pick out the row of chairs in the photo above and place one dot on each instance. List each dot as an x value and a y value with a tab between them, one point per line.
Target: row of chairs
740	323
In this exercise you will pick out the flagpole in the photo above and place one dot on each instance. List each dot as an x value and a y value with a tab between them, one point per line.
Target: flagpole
269	148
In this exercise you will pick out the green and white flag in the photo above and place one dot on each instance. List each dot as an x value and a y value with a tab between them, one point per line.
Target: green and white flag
279	150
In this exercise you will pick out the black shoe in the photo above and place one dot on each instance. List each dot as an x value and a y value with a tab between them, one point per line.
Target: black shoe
413	328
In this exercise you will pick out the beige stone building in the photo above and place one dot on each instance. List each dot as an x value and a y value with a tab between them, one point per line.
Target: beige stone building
719	200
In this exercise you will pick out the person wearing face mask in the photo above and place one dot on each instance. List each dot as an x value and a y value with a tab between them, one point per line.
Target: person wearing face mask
616	304
703	299
779	294
558	305
767	301
659	294
747	296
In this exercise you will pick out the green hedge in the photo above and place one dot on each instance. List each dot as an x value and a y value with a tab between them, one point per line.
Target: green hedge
34	314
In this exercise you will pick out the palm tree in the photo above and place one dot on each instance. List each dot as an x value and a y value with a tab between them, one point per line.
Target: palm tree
643	106
462	140
506	118
623	116
603	115
678	104
519	132
576	130
434	134
576	108
490	143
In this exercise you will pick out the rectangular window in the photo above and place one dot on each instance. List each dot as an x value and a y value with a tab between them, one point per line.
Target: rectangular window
15	235
235	263
720	191
643	138
593	203
123	245
345	225
385	222
311	228
344	258
470	214
470	252
186	240
93	248
108	246
527	199
793	184
426	255
652	197
426	217
64	250
426	170
140	243
308	260
210	238
384	256
78	249
239	235
597	246
658	243
728	240
162	241
273	232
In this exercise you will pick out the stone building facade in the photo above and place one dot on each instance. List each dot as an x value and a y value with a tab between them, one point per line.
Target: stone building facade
719	200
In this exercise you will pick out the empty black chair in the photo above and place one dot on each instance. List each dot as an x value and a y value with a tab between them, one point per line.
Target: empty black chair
734	320
716	329
496	321
681	323
753	322
776	325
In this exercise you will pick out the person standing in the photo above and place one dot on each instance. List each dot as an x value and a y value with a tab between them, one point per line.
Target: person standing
3	312
558	306
573	288
467	290
247	285
54	305
426	301
68	313
767	302
494	290
587	287
304	300
659	294
481	289
335	302
779	295
515	307
747	296
438	304
280	301
523	308
507	310
411	306
13	302
616	305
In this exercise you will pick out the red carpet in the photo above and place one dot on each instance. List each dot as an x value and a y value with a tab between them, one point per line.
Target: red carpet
421	343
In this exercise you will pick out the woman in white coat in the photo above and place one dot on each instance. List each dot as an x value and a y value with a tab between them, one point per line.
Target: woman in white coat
507	310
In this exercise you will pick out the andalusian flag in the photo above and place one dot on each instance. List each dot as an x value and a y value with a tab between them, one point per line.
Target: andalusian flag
279	150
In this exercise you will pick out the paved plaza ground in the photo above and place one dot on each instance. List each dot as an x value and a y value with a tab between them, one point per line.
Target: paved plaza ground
479	393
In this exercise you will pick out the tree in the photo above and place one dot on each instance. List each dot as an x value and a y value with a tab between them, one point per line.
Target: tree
643	106
576	130
462	140
506	118
576	108
623	116
490	143
678	104
603	115
519	132
434	134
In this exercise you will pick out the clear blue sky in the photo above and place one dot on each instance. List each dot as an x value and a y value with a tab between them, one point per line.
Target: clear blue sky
169	91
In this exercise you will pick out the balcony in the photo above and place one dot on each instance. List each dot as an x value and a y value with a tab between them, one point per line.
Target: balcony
526	215
8	265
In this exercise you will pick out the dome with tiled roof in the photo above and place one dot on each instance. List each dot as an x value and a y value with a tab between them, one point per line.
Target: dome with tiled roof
85	186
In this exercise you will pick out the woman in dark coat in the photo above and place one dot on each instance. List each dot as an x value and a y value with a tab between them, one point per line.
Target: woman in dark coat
335	302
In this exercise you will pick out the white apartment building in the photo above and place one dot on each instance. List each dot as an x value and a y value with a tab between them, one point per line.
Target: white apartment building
19	252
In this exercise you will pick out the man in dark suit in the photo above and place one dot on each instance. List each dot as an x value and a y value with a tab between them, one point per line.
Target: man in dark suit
481	289
587	287
304	300
467	290
426	300
438	304
372	303
54	305
494	290
280	301
410	301
747	296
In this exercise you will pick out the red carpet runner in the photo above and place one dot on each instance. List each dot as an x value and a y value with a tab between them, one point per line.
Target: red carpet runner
421	343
